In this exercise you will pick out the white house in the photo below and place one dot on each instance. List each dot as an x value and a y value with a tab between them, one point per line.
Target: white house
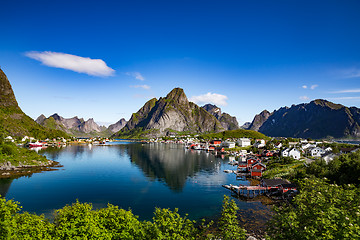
293	152
9	139
260	143
328	149
308	145
278	145
244	142
328	157
228	144
316	152
285	153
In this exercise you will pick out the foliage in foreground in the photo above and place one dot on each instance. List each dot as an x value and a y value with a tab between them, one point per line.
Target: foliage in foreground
344	169
80	221
320	211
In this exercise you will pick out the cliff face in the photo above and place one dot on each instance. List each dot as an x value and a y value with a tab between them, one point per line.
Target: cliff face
174	113
259	120
13	121
228	122
317	119
7	96
117	126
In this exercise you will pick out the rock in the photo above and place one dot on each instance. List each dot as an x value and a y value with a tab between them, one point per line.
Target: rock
251	238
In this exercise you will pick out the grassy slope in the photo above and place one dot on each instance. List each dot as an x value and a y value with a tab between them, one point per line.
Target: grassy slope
239	133
15	123
9	152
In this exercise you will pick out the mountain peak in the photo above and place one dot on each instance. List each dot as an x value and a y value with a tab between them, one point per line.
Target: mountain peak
325	103
56	116
178	95
169	115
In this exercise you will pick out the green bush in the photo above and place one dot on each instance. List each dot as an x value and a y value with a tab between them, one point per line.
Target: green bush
8	149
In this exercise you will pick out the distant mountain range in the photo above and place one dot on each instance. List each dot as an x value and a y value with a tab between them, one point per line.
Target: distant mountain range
78	126
317	119
13	121
173	114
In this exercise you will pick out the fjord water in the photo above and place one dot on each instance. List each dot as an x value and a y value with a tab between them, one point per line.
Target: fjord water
130	175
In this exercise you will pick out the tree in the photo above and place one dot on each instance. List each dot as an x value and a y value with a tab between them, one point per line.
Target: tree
228	223
320	211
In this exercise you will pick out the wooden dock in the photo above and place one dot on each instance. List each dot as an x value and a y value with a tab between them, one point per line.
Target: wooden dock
249	191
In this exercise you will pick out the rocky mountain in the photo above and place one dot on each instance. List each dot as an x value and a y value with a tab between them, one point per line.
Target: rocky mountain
73	126
228	122
13	121
259	120
317	119
246	125
170	115
117	126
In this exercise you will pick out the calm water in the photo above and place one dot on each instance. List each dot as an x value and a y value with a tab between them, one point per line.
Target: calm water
130	175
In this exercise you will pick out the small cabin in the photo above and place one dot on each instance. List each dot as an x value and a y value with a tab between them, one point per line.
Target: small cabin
215	142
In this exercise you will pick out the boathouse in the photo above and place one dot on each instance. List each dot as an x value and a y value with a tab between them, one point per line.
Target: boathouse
273	184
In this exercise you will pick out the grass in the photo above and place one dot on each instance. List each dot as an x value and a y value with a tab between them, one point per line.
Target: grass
9	152
238	133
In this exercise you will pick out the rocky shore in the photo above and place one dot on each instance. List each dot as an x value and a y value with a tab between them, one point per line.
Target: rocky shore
8	170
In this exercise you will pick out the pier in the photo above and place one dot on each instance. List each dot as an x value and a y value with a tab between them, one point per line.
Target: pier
249	191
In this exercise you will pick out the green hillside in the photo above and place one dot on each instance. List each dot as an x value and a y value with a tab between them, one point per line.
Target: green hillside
238	133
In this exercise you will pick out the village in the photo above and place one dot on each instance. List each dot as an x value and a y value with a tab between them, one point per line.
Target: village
250	158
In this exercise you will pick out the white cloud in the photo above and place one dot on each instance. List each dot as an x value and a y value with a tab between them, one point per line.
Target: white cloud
209	97
304	98
353	72
345	98
94	67
136	75
348	91
314	86
146	87
304	87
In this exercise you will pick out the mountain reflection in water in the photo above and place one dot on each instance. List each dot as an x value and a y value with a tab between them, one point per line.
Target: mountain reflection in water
166	163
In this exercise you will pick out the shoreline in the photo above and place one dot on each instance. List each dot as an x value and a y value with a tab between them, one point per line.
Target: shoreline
7	170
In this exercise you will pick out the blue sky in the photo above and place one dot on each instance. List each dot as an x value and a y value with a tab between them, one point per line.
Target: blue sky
105	59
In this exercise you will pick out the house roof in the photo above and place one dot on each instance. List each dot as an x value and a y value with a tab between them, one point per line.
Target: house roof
258	163
288	185
274	182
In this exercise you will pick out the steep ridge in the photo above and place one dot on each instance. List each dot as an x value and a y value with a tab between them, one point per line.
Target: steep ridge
117	126
317	119
228	122
259	120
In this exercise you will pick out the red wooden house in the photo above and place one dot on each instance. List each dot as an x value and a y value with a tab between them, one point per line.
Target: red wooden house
215	142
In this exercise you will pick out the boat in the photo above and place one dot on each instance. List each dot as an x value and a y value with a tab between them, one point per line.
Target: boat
35	144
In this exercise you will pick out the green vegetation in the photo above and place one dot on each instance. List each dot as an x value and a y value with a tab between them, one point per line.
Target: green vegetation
283	169
81	221
239	133
15	123
320	211
328	206
136	133
344	169
9	152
